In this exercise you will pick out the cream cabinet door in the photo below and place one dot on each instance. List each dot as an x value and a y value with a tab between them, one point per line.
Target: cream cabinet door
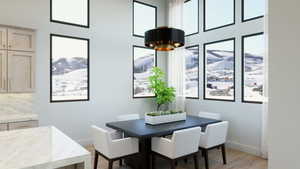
3	38
21	40
3	71
21	72
23	125
3	127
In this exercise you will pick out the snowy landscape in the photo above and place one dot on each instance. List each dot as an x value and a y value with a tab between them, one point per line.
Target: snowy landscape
254	47
143	63
219	74
191	74
69	79
253	77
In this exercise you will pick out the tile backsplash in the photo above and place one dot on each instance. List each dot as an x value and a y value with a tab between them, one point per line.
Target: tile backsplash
16	103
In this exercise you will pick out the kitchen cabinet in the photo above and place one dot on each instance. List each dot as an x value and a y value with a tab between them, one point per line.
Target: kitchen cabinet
17	60
3	126
20	72
22	125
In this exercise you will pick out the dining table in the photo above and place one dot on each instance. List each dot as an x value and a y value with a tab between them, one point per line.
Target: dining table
144	132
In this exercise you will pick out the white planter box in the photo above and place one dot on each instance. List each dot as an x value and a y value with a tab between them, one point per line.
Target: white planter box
153	120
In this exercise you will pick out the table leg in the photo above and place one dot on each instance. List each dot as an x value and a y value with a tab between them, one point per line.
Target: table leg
145	150
88	163
142	160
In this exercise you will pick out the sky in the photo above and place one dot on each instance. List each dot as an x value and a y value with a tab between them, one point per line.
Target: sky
72	11
255	45
144	18
141	52
254	8
190	23
218	13
226	45
75	48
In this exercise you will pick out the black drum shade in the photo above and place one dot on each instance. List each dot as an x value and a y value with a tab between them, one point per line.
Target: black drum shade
164	38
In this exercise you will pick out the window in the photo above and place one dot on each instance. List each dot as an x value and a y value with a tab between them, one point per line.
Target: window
69	68
144	18
218	14
252	9
191	17
71	12
192	71
219	65
253	47
144	59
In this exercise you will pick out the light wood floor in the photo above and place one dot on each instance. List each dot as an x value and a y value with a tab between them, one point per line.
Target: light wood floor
235	160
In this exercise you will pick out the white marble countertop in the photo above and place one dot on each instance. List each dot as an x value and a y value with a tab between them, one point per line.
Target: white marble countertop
9	117
40	148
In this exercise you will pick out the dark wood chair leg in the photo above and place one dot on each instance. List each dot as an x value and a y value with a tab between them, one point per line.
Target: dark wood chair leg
224	154
96	160
120	162
185	160
110	164
202	152
196	161
153	161
176	163
205	152
173	164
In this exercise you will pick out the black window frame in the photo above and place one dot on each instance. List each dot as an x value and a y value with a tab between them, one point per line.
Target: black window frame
243	64
142	3
219	27
143	47
198	18
198	93
69	23
88	68
249	19
234	67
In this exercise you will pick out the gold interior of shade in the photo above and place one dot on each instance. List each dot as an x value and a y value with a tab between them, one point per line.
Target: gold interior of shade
161	46
164	47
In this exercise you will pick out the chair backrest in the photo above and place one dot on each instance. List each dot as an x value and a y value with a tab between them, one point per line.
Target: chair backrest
186	141
128	117
209	115
215	134
101	140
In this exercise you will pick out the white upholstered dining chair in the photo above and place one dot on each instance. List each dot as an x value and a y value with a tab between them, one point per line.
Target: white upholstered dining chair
213	137
110	149
183	143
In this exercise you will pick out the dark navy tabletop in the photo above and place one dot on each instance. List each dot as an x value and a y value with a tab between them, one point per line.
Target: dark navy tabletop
138	128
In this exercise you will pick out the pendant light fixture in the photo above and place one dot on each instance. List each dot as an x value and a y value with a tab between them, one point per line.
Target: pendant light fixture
164	38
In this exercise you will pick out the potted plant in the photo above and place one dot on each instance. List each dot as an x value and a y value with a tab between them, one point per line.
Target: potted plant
164	95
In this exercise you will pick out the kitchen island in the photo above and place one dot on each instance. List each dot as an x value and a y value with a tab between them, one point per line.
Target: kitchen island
40	148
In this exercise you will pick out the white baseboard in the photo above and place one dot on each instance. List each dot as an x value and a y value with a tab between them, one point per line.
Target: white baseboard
244	148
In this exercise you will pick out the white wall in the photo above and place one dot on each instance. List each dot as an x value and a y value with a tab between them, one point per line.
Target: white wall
245	119
284	81
110	62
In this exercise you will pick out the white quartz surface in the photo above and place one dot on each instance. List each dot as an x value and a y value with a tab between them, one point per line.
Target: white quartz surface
16	107
40	148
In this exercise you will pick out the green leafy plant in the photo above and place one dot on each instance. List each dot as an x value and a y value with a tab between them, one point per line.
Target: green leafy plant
164	94
162	113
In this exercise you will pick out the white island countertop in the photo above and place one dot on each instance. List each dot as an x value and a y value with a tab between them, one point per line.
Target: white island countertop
40	148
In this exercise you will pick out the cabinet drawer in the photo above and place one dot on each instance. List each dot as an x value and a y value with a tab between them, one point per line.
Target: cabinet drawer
3	126
22	125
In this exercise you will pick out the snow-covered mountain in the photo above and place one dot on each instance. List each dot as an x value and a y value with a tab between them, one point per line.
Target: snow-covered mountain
64	65
192	59
143	64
